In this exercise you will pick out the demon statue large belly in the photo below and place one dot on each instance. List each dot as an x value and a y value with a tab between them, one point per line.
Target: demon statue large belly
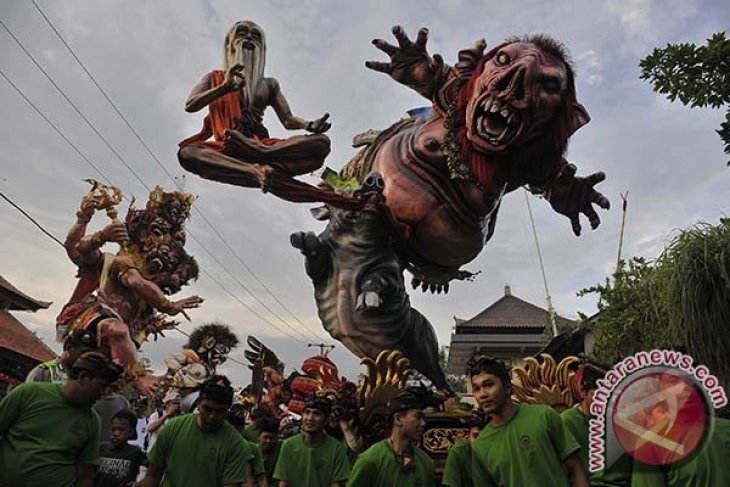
359	285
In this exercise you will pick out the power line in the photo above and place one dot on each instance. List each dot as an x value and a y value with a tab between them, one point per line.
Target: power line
73	105
54	127
114	106
225	268
25	214
159	163
104	177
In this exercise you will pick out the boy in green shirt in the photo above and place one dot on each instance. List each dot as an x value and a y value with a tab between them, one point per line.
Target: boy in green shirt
201	449
577	421
523	444
312	458
396	462
457	471
269	447
50	434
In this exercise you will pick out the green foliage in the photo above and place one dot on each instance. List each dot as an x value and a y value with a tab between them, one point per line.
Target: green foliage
681	299
332	178
698	76
697	286
632	316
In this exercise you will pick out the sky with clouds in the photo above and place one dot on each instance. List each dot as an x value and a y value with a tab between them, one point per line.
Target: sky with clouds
148	54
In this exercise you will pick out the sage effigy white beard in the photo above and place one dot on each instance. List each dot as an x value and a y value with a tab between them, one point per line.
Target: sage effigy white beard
253	61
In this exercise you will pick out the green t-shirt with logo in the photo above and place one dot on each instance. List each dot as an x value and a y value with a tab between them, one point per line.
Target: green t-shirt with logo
44	436
457	471
270	459
709	467
189	456
379	465
528	450
616	475
319	465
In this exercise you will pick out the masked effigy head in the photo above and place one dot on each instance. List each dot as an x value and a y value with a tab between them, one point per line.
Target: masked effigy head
212	342
157	239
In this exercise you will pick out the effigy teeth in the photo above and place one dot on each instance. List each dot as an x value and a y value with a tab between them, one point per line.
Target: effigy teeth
495	107
504	112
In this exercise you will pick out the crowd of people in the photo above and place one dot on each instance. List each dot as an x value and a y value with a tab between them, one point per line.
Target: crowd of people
62	427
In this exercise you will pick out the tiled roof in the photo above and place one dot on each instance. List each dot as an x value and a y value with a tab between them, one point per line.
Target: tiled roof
16	337
18	300
510	312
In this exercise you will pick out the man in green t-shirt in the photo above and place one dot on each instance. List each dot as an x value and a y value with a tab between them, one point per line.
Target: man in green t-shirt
49	433
577	421
395	461
269	446
457	471
523	444
201	449
312	458
708	467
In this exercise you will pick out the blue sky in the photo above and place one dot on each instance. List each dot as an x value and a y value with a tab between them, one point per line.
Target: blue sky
147	56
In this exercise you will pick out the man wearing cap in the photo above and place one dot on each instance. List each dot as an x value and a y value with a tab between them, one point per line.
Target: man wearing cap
312	458
56	370
201	449
523	444
396	462
50	434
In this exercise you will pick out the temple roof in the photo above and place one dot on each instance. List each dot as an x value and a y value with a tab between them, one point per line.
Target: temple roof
14	299
509	312
15	337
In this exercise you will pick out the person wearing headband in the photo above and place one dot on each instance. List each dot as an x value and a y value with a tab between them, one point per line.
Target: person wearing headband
397	460
201	448
49	431
312	458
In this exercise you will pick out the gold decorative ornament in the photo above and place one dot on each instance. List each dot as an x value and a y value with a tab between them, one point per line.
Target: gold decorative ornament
546	383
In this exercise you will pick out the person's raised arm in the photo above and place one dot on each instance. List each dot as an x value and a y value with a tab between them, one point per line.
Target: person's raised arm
152	294
202	94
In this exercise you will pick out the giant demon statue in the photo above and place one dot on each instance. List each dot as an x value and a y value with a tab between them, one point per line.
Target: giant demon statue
500	120
123	297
